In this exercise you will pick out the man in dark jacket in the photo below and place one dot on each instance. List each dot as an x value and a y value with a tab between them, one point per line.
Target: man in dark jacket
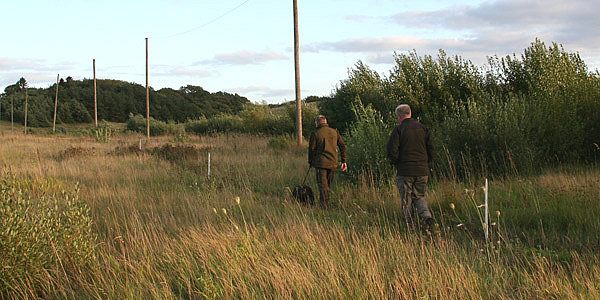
322	154
410	149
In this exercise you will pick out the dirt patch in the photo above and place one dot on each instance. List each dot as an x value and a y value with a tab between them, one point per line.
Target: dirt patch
178	152
73	152
124	150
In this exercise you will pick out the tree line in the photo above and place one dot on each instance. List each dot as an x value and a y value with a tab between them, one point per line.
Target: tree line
116	101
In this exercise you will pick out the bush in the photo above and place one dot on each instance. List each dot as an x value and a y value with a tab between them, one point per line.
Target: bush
255	119
137	123
217	124
281	142
366	142
309	113
45	230
60	129
520	115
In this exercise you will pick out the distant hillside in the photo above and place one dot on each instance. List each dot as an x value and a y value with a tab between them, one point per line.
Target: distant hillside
116	100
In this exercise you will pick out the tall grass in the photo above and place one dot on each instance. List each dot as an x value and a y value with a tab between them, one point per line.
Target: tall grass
165	230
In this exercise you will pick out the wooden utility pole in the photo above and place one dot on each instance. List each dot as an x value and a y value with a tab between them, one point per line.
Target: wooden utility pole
55	104
297	69
147	96
95	96
25	110
12	127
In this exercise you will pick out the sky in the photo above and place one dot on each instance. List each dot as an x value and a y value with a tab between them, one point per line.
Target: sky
246	46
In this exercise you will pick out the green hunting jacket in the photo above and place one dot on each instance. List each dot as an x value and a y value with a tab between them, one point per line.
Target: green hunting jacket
322	148
411	148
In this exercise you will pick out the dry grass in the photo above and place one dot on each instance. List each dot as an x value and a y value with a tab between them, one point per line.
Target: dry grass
166	231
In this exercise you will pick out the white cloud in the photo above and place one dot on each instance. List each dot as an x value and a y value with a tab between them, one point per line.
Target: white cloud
245	58
381	58
37	72
501	27
181	71
573	22
263	91
32	65
16	64
368	44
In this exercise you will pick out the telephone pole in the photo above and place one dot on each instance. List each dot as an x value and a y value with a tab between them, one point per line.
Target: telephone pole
95	95
55	104
297	73
25	110
147	96
12	127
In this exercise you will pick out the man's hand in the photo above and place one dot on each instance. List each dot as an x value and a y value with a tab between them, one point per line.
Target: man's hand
344	167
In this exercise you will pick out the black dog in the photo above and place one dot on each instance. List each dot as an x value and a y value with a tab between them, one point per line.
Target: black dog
304	194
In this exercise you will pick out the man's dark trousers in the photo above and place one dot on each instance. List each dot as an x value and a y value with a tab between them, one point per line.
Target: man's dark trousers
324	179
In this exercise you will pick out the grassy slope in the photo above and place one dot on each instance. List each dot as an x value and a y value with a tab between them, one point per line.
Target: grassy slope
167	231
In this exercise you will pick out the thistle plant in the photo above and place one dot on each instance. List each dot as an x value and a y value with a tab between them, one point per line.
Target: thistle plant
103	133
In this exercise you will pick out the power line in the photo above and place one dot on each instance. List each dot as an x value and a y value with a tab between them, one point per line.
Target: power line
205	24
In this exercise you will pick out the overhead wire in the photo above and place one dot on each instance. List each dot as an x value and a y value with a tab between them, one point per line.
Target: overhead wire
203	25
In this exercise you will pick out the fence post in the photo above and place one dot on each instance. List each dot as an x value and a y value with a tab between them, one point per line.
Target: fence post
487	221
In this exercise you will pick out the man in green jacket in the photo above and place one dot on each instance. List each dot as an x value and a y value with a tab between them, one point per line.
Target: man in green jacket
410	149
323	155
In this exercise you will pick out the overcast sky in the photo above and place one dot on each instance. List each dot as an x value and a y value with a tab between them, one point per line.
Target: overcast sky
246	46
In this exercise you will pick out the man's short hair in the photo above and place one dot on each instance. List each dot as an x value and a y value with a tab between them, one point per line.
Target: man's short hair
403	110
320	119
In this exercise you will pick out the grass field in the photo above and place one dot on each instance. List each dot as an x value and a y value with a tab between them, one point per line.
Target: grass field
152	225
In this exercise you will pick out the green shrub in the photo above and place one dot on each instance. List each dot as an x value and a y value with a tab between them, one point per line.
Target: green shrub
366	142
61	129
46	231
515	115
137	123
225	123
281	142
177	132
255	121
309	113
